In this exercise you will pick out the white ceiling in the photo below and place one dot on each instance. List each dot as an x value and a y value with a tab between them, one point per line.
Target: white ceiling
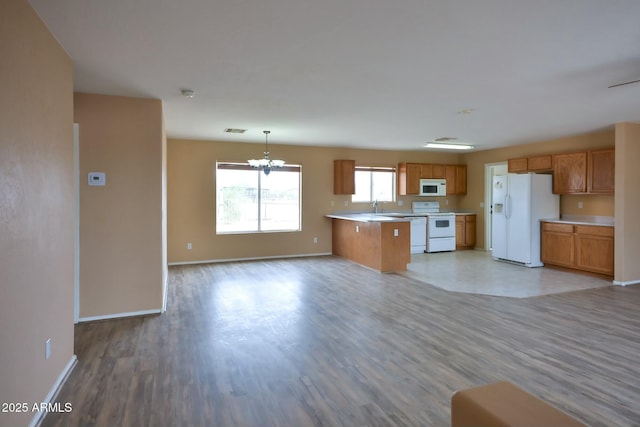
362	73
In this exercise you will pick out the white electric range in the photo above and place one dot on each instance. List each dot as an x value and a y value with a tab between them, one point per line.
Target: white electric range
441	226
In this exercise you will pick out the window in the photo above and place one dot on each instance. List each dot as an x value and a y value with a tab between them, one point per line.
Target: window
249	201
375	183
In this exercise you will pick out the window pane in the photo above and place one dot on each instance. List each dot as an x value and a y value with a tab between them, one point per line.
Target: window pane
374	185
382	186
280	207
237	200
247	200
363	187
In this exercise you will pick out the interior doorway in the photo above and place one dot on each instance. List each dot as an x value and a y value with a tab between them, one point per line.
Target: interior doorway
490	170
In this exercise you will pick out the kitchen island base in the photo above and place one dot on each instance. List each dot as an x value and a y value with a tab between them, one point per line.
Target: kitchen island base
383	246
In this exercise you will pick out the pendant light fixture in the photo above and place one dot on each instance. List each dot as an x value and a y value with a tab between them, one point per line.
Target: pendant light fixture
266	164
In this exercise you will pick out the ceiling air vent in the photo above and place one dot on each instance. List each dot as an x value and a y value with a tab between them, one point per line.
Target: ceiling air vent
234	130
445	139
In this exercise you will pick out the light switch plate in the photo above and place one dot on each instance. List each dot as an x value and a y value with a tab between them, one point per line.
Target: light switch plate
97	179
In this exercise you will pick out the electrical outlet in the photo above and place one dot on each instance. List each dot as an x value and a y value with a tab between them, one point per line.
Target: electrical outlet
47	349
315	240
189	246
580	205
400	203
346	203
395	232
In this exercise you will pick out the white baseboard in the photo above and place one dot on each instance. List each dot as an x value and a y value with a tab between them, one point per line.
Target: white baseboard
211	261
630	282
62	378
119	315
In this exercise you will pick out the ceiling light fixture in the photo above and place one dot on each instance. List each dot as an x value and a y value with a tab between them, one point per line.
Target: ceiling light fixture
266	164
449	146
187	93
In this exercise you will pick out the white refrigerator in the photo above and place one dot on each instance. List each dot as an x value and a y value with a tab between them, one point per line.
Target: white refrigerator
520	201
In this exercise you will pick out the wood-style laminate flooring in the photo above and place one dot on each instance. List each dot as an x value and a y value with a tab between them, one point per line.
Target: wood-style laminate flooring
325	342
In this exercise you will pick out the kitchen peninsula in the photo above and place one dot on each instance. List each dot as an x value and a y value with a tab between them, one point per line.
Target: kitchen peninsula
376	241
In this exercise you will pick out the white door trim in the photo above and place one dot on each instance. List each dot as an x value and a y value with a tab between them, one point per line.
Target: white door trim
489	172
76	244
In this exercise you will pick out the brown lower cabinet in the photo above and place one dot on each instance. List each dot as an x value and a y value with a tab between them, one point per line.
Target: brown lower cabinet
465	231
582	247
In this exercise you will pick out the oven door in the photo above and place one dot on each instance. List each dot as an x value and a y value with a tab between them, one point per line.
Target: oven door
441	226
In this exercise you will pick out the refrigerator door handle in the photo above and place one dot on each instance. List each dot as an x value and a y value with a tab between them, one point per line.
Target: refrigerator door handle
507	206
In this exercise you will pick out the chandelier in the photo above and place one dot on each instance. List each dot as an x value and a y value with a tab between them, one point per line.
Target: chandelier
266	164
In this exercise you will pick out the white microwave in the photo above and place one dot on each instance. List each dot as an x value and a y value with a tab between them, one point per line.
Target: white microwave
433	187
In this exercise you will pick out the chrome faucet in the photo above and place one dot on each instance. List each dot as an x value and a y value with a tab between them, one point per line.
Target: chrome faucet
375	206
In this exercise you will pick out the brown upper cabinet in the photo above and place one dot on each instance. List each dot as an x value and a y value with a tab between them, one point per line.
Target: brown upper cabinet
344	177
531	164
540	163
409	178
456	176
601	177
584	172
428	171
570	173
518	165
409	175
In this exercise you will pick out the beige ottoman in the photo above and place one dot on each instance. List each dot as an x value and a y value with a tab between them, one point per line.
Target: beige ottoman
504	405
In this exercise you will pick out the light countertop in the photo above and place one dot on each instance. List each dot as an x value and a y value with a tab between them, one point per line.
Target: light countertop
366	217
397	216
603	221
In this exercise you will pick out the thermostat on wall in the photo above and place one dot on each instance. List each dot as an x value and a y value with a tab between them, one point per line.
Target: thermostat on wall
97	178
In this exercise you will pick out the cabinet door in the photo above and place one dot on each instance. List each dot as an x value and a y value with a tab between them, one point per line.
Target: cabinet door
594	253
450	172
470	231
570	173
438	171
408	178
426	171
557	248
413	178
517	165
540	163
595	248
602	171
461	179
460	231
344	177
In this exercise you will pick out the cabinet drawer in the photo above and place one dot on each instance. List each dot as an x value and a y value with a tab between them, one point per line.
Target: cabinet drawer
558	228
595	230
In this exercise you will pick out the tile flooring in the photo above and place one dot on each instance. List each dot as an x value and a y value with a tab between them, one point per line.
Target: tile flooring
474	271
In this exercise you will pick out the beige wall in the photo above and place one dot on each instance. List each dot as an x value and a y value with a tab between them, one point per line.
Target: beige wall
36	209
121	224
191	203
599	205
627	268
